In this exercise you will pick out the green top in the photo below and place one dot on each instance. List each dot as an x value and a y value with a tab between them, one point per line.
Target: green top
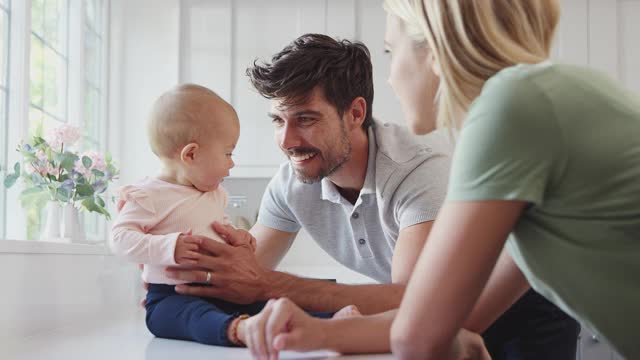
567	140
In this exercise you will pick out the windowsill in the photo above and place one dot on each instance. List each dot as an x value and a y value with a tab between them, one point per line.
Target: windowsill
49	247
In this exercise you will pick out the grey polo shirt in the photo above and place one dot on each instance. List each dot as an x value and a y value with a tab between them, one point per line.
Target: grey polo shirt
405	184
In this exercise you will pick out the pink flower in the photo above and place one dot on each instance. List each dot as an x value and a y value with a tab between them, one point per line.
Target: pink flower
64	134
97	162
43	167
41	155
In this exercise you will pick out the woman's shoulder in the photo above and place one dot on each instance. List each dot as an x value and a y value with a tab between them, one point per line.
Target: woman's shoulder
516	94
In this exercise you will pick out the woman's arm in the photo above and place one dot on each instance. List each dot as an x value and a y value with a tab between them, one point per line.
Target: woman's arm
450	275
282	325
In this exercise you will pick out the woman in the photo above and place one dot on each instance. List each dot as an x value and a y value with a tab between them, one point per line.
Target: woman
548	157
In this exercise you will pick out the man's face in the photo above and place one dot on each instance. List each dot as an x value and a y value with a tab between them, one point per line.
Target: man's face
312	135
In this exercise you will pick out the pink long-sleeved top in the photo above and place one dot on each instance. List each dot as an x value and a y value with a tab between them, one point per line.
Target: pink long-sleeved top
154	214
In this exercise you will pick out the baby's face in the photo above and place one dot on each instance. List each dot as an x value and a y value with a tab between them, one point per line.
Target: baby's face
214	161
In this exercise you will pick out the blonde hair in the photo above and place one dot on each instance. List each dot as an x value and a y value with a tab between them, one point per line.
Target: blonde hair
181	116
471	40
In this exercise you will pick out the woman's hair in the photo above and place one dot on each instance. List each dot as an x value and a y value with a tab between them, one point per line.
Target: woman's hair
471	40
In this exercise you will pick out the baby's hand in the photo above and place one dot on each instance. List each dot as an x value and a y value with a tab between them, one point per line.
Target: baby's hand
233	236
187	246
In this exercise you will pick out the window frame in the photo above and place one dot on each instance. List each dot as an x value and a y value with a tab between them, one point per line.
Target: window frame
4	93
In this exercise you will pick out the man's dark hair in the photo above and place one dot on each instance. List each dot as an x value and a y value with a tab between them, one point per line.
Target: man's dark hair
341	68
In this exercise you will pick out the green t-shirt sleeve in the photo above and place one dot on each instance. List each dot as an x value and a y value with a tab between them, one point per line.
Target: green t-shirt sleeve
510	144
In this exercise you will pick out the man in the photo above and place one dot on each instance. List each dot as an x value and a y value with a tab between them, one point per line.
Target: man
367	193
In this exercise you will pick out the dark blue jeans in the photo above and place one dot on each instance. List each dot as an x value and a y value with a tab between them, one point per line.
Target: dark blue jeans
533	328
183	317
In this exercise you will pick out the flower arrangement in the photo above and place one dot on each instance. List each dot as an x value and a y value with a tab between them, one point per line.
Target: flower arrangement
50	167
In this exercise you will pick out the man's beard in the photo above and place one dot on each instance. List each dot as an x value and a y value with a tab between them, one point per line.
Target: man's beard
333	163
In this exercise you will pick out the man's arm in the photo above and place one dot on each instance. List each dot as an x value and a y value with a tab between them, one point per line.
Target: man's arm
370	299
239	277
272	244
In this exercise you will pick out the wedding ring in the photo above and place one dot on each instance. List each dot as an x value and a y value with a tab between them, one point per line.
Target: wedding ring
208	281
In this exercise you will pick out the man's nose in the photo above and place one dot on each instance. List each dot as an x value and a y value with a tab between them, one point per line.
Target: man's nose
288	137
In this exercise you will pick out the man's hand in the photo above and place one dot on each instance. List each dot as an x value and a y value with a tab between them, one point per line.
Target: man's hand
187	247
236	274
233	236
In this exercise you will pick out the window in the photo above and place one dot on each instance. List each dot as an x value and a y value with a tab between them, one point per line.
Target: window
64	76
94	93
5	16
49	63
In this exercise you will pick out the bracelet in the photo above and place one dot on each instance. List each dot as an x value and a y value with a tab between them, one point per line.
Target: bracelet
234	331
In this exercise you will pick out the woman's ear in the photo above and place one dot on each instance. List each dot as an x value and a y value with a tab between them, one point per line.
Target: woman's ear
188	153
435	66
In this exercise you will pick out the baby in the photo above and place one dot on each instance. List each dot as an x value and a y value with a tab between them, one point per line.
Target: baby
193	132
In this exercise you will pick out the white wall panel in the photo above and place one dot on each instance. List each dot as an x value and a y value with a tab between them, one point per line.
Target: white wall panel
628	45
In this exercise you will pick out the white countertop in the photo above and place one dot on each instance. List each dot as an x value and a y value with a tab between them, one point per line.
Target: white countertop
125	337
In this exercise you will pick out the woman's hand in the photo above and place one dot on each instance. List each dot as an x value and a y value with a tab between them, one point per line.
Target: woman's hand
281	325
466	345
470	346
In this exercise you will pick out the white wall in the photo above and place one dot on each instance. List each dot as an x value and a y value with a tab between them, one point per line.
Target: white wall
212	42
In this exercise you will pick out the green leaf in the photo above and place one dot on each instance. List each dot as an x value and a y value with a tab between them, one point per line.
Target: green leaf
107	157
37	140
63	195
16	168
31	190
33	197
10	180
67	161
99	201
91	206
84	190
86	161
97	173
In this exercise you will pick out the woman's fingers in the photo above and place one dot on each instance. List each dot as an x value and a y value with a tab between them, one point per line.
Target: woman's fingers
283	310
257	333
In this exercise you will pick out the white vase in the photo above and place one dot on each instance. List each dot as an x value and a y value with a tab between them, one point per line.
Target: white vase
72	229
51	231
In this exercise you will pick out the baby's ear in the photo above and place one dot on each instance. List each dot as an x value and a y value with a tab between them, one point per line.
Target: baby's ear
188	153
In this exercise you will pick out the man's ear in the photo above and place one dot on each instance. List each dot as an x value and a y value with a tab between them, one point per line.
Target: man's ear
188	153
358	112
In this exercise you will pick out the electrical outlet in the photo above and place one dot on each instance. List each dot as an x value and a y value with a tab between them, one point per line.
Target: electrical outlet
237	201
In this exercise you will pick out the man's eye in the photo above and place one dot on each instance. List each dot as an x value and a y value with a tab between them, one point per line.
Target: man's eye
277	122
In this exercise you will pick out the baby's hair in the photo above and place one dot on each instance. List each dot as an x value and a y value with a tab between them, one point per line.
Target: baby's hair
179	117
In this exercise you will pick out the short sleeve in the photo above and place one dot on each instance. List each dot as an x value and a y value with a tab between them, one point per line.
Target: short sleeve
510	145
421	194
274	211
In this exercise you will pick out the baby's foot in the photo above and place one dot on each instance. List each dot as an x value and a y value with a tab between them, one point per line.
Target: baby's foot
347	312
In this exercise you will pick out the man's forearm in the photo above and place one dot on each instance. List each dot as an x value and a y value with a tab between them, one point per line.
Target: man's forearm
327	296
